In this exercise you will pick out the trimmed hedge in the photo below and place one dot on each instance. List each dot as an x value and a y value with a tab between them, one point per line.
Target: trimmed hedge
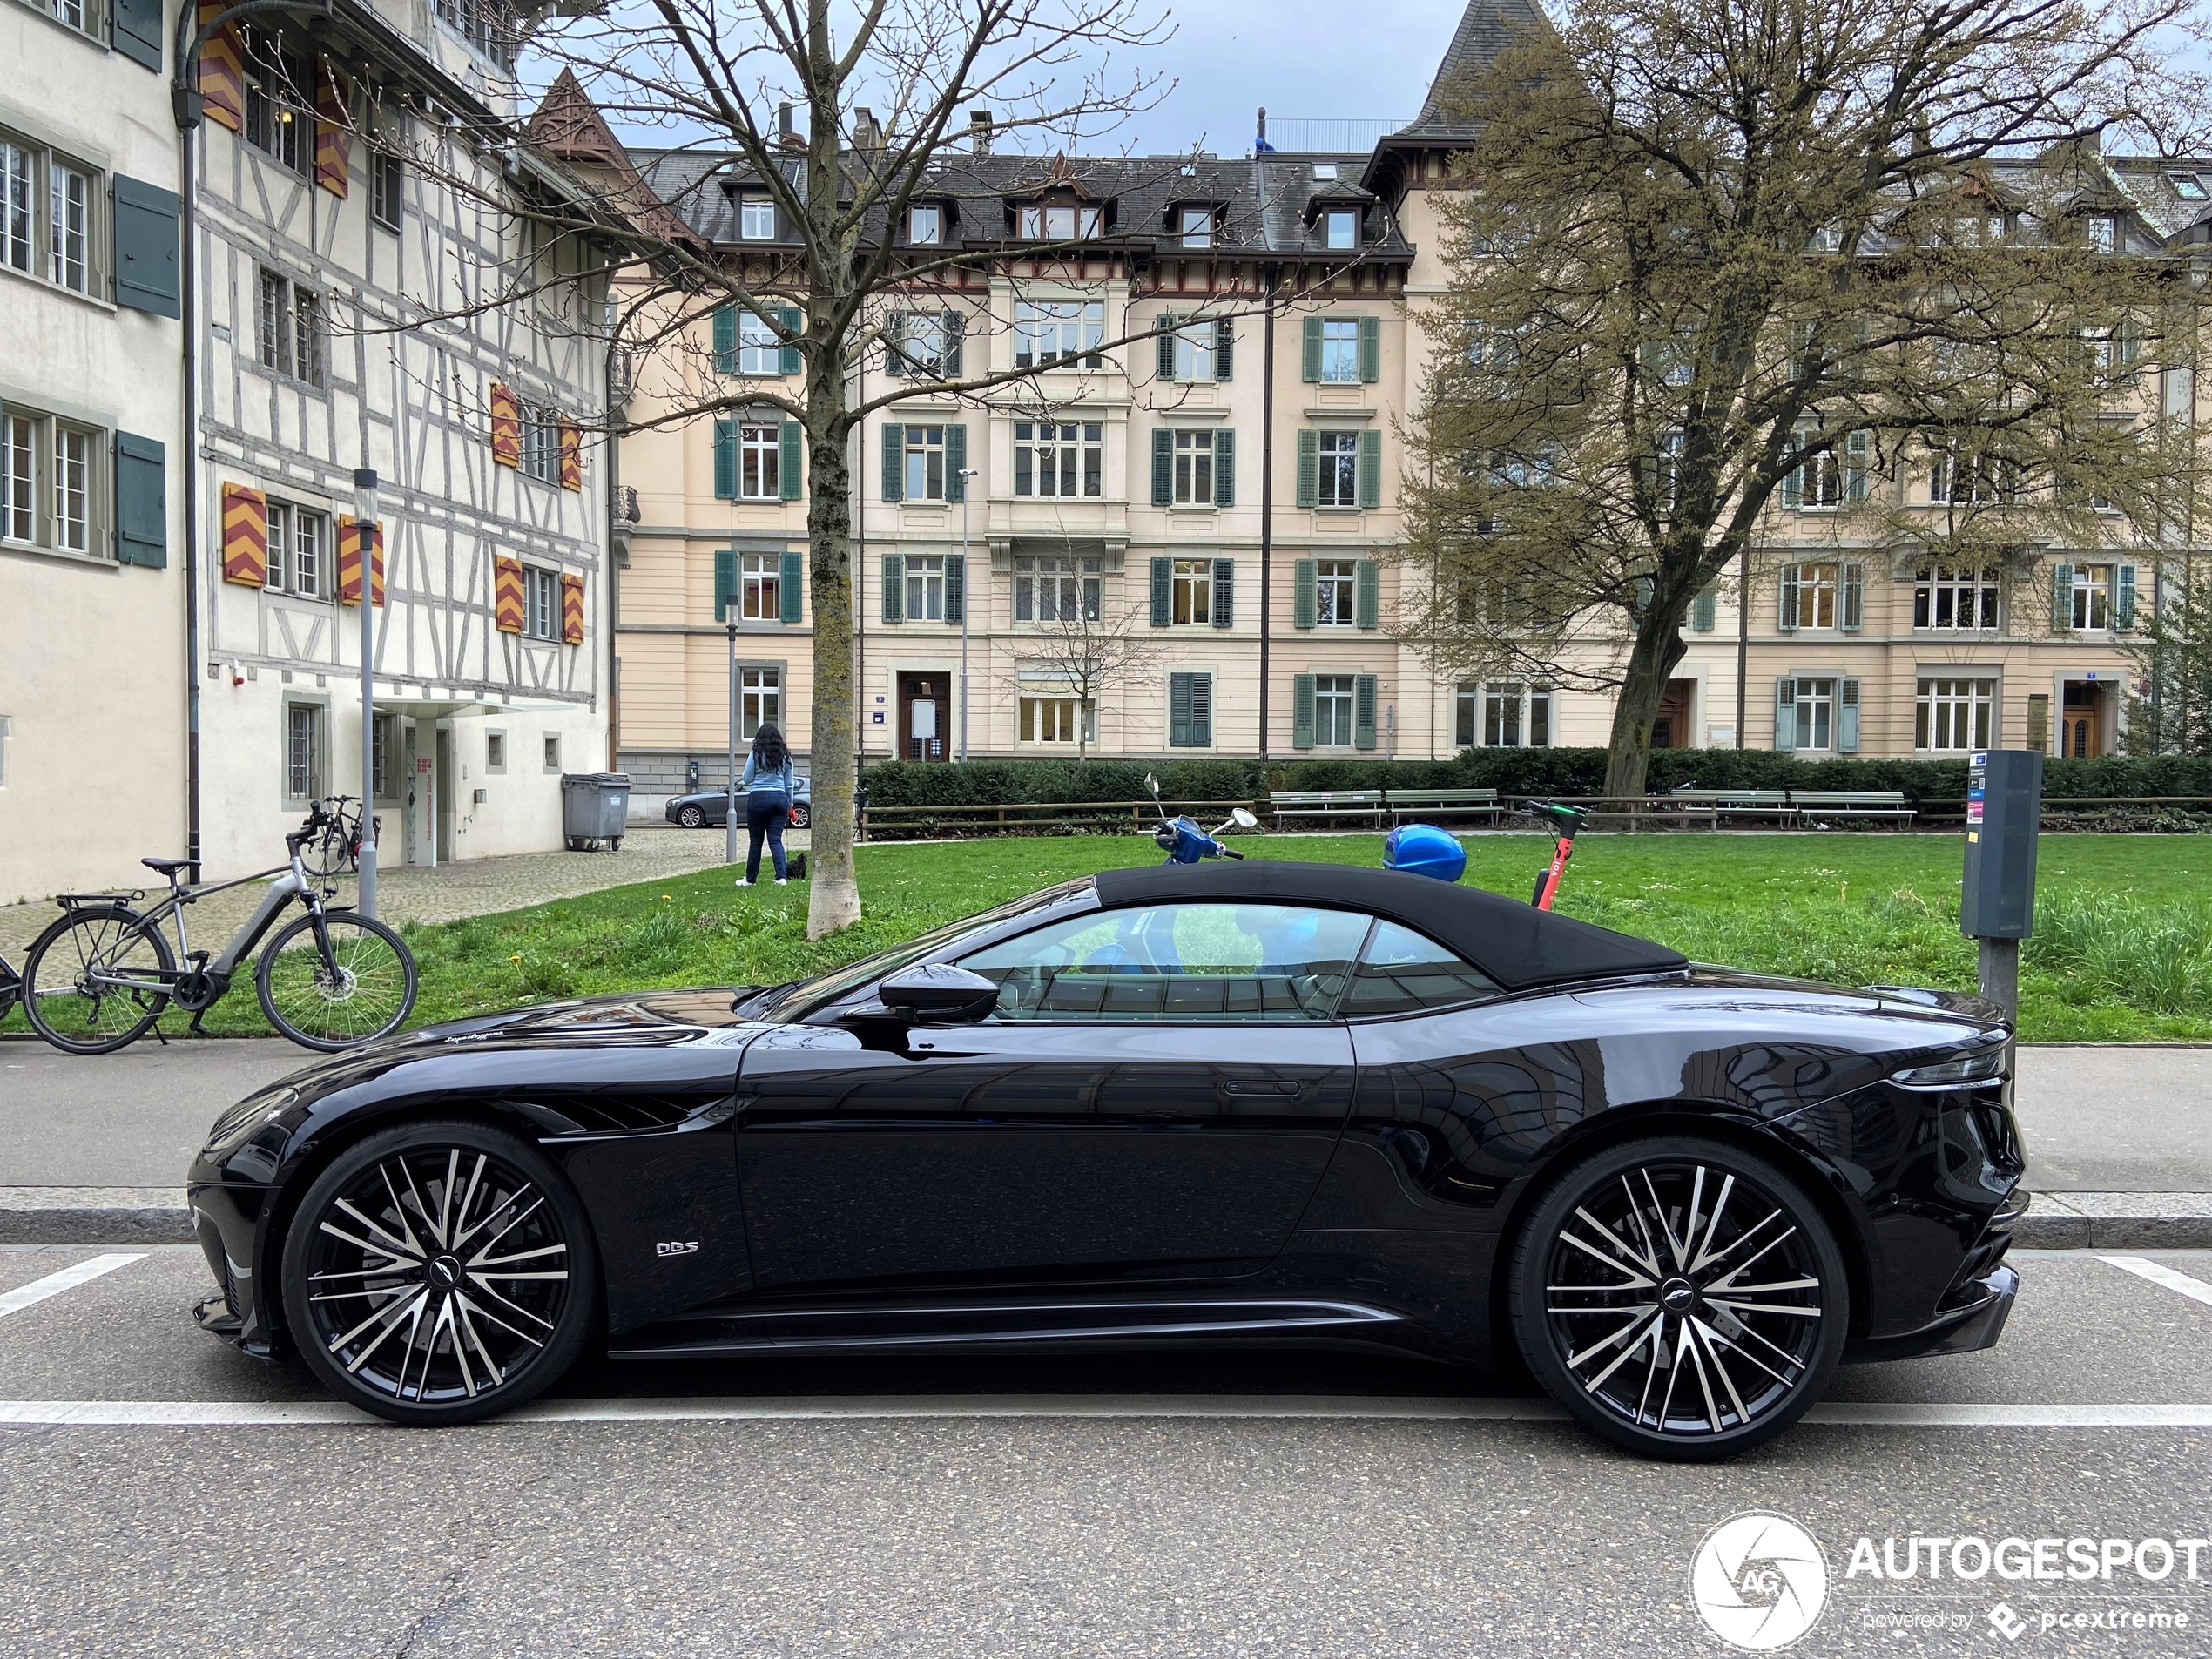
1510	771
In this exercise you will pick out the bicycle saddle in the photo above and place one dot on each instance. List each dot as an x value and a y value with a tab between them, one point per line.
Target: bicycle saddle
165	865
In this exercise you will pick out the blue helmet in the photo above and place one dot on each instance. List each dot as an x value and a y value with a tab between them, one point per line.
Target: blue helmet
1423	849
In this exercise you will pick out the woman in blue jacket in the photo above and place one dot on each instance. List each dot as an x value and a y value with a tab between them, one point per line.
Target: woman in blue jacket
767	783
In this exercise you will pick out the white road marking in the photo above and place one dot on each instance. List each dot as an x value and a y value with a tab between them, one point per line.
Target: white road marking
2158	1273
68	1279
228	1413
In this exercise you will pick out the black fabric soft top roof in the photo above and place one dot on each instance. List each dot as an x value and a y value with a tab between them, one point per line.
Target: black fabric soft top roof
1515	944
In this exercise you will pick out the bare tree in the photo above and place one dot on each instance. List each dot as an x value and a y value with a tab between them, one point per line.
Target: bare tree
1712	257
1080	653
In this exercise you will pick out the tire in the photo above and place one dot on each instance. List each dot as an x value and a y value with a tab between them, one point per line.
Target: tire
801	815
63	1003
409	1325
690	817
327	855
614	844
374	993
1597	1263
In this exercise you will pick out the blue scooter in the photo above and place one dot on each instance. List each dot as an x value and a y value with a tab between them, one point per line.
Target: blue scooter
1185	842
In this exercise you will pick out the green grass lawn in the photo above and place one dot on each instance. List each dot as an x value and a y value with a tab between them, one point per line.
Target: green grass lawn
2122	951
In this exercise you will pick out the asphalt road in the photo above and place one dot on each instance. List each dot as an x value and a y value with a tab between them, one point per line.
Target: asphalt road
1166	1505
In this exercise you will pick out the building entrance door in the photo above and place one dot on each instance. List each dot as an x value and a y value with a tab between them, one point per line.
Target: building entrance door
924	710
1670	728
2082	728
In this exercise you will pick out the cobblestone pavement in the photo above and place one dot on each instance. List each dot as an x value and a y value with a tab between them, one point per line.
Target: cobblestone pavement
471	888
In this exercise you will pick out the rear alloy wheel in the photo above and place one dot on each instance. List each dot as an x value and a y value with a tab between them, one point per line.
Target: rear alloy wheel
690	817
440	1273
802	814
1682	1298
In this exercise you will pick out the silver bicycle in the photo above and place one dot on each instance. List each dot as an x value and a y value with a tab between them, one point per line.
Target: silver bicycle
103	974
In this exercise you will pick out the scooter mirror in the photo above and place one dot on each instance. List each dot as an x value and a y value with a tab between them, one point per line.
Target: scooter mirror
1152	784
1244	820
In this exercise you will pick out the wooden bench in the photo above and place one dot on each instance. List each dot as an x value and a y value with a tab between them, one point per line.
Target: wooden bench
1852	803
1423	803
1327	804
1745	803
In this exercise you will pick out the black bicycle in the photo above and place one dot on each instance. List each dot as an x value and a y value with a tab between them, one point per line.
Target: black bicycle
337	849
103	974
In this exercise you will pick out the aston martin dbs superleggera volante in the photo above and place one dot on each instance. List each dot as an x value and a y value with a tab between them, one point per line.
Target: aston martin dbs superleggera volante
1276	1103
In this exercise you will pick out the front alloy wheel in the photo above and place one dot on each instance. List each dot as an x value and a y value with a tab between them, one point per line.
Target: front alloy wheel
690	817
1681	1297
440	1273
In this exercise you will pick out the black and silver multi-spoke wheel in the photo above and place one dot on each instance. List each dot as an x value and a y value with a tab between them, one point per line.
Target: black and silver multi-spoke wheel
440	1273
93	980
359	989
1681	1297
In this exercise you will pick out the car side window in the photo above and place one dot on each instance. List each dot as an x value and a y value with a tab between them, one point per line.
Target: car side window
1196	962
1401	972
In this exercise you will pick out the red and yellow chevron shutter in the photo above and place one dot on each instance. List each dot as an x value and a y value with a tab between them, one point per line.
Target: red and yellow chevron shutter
572	610
506	596
222	70
333	141
506	429
350	562
572	456
245	535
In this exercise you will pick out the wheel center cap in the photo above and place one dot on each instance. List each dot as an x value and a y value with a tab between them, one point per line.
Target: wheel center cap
1677	1296
446	1271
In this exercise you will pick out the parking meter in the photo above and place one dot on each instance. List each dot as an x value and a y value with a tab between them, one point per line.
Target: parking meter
1997	898
691	776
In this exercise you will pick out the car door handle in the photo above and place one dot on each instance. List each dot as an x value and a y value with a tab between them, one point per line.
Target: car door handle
1271	1088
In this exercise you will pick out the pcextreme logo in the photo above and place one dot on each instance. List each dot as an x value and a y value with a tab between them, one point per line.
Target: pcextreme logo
1759	1580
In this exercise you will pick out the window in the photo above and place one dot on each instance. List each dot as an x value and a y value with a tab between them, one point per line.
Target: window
1195	351
1809	595
2186	186
1339	481
1815	702
1954	714
1065	332
925	464
1341	225
386	173
1333	709
278	122
384	755
68	217
50	222
758	448
760	700
1334	585
2101	228
1503	714
72	488
1401	972
18	184
926	224
291	329
1184	963
76	15
759	586
541	440
1961	597
1193	591
494	753
297	538
926	587
19	477
760	352
1194	469
541	604
479	22
51	482
1055	590
1059	458
303	751
1048	711
1196	226
551	745
1974	480
2092	596
1340	350
924	344
757	218
1059	223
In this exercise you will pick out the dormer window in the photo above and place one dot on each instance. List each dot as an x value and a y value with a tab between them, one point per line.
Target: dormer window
757	218
2101	228
1058	223
1197	226
1324	170
2186	186
1341	226
926	224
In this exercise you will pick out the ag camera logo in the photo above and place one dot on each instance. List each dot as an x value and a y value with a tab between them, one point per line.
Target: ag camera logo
1759	1580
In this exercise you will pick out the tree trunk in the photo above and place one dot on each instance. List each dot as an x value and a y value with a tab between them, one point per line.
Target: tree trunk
1659	646
834	887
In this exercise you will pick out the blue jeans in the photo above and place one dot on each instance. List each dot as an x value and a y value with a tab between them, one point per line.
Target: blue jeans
766	811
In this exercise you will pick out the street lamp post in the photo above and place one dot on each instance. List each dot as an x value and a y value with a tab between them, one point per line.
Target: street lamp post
365	527
966	473
729	813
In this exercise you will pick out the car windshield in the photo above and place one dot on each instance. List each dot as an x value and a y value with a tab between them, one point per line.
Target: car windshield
807	997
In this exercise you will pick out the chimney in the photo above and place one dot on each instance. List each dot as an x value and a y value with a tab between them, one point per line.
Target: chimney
979	131
1263	127
786	134
867	135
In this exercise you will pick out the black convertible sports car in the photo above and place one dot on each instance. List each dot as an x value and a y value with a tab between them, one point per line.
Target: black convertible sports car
1267	1102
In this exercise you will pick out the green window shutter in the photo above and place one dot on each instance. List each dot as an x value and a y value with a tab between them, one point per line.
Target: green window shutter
1201	710
1858	451
1786	617
1370	349
1793	483
787	460
1224	347
956	588
145	238
1163	467
725	339
1785	712
955	332
2123	599
1362	711
1854	597
1847	717
1163	591
1701	612
1303	603
791	587
1301	711
1366	593
895	345
955	463
2062	598
725	580
1224	593
1310	358
1179	711
894	584
1225	469
1309	469
142	499
894	460
725	460
1371	468
137	35
790	361
1164	348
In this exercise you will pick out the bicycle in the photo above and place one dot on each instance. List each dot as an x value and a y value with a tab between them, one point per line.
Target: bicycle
337	851
10	986
102	975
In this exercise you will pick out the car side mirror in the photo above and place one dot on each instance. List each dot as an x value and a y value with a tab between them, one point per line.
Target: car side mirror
938	993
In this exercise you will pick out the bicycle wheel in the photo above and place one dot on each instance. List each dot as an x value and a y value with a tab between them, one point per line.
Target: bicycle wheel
362	992
69	987
332	852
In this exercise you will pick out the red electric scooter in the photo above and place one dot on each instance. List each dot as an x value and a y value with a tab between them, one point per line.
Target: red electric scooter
1565	821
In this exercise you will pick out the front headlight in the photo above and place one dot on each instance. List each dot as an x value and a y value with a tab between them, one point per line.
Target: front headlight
1952	1074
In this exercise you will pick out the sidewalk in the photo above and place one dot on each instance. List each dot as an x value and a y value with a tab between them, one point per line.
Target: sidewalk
92	1149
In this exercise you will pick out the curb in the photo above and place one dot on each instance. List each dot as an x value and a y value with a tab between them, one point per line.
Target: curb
94	1216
